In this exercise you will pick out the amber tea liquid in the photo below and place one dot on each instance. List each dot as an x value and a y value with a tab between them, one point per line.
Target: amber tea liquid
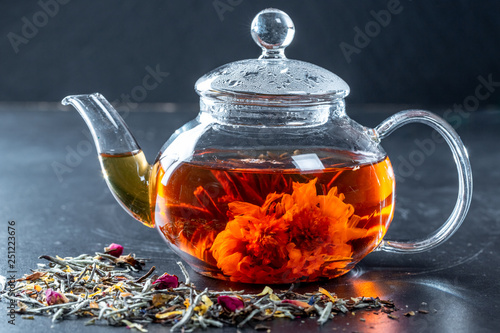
259	219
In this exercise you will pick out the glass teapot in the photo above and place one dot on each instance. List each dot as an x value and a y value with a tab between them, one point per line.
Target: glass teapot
272	182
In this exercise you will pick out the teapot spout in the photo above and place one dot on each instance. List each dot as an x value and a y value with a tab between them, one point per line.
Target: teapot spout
123	163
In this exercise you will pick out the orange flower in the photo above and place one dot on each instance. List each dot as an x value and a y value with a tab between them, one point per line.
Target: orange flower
298	236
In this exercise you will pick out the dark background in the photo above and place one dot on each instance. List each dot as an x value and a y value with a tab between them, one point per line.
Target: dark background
431	53
429	56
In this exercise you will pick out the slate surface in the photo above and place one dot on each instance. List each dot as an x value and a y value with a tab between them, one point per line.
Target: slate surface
75	213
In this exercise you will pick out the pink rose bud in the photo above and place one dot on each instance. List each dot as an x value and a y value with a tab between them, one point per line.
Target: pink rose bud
53	297
230	303
166	281
115	250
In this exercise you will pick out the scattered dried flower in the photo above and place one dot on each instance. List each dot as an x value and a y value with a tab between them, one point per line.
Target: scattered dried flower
230	303
161	299
296	302
327	294
269	291
123	261
166	281
53	297
113	249
168	314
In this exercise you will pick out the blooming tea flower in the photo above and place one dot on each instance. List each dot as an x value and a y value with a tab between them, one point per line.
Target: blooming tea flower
113	249
289	237
166	281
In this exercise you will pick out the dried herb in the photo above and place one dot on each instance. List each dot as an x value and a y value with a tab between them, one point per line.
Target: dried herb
103	288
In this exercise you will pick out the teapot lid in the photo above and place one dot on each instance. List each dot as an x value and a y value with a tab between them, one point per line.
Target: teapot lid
272	78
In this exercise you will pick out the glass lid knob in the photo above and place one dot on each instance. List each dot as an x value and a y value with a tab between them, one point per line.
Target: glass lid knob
273	30
272	79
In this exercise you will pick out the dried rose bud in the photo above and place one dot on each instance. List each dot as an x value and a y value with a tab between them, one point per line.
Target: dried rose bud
230	303
53	297
166	281
115	250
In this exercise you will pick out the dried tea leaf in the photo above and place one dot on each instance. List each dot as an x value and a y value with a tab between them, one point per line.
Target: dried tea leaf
168	314
128	260
297	303
137	326
393	316
207	301
389	304
269	291
90	322
326	293
265	291
22	307
387	310
410	313
161	299
32	277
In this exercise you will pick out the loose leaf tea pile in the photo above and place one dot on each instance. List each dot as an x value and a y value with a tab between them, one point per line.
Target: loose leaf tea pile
103	288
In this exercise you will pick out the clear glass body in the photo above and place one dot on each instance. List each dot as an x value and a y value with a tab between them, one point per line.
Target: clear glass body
301	199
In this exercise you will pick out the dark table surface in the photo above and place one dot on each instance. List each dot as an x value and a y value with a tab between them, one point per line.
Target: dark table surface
72	212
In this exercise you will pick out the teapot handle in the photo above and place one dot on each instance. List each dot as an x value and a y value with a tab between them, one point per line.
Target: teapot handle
464	178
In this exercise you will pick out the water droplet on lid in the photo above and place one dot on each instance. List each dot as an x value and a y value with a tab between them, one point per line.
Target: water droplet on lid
250	74
312	78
